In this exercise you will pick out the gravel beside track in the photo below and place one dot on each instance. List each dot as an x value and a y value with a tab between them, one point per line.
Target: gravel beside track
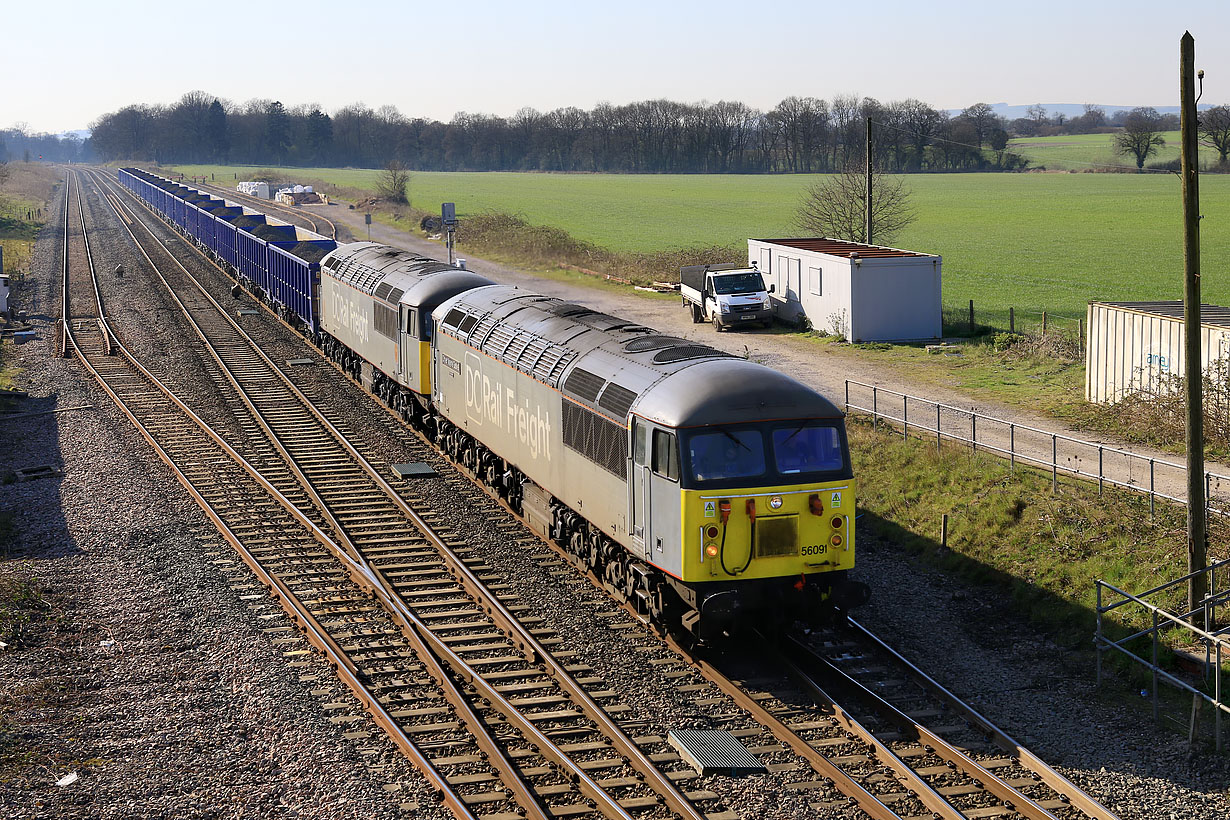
193	711
231	729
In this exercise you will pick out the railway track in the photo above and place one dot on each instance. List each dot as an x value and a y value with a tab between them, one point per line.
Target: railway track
563	720
887	764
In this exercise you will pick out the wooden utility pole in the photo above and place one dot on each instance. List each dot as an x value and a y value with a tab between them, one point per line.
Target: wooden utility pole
1193	376
867	196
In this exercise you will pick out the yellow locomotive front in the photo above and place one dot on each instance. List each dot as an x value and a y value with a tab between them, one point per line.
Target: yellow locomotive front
743	486
768	521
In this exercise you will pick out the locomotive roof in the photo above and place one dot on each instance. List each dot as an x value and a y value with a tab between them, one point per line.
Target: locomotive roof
395	275
612	365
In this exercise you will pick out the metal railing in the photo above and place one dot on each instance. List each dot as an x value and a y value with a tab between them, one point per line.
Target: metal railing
1050	451
1216	642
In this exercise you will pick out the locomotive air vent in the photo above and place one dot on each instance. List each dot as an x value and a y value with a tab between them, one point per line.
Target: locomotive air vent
618	400
568	310
647	343
382	290
584	384
684	352
453	318
395	295
467	324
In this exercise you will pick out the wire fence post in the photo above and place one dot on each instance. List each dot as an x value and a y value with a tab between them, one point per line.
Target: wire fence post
1097	635
905	417
1208	489
1054	465
1155	636
973	430
847	397
938	437
875	410
1152	497
1100	478
1217	695
1012	448
1012	320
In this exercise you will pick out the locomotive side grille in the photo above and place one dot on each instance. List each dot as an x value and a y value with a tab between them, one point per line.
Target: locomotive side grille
602	442
617	399
777	536
453	318
384	320
584	384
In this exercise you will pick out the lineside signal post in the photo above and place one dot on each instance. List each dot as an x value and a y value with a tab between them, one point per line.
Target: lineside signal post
448	215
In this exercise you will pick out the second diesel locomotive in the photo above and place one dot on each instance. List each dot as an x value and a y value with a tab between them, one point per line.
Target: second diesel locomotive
710	491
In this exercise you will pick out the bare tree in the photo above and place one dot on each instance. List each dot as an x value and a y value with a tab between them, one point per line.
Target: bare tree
1214	128
1141	135
393	183
837	207
983	118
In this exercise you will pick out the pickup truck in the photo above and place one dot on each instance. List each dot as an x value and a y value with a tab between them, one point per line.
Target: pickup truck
726	295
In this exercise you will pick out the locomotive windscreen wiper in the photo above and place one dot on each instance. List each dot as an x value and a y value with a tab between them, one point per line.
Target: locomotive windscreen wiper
733	438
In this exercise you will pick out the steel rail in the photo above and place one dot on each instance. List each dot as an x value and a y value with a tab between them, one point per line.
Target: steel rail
300	614
412	627
1009	796
1027	759
820	762
660	783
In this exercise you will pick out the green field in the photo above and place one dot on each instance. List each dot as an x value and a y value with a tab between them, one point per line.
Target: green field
1081	152
1030	241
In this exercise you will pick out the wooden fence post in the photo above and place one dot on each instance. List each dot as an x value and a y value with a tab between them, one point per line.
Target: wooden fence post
1012	320
971	317
1044	323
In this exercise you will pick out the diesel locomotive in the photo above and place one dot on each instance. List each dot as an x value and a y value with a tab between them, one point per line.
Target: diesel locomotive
710	491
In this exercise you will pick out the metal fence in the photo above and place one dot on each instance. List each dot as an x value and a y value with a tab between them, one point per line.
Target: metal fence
1215	642
1054	452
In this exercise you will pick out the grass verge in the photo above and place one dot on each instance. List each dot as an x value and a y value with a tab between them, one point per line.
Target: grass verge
1029	549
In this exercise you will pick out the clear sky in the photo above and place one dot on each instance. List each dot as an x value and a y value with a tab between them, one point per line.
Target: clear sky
62	64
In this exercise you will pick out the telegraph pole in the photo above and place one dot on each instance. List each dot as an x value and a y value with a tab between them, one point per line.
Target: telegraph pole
1197	521
867	196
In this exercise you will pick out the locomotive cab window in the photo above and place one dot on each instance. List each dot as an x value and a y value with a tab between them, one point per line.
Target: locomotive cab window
726	454
665	456
807	448
765	454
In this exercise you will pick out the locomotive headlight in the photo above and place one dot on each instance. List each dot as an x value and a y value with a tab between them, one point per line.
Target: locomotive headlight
711	531
711	550
835	540
838	522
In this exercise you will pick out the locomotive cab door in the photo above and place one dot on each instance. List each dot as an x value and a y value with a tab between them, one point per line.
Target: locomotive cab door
638	486
408	347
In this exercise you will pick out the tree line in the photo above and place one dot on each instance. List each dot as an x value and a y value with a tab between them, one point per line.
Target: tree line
799	135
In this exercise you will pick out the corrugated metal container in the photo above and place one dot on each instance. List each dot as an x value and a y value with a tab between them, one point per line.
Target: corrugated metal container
1138	347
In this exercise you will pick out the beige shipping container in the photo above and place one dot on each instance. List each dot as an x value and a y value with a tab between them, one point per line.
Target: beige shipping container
1138	347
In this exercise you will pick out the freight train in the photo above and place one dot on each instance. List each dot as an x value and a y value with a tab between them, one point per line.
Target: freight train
711	492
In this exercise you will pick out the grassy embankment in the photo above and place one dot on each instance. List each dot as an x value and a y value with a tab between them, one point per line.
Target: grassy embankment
25	191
